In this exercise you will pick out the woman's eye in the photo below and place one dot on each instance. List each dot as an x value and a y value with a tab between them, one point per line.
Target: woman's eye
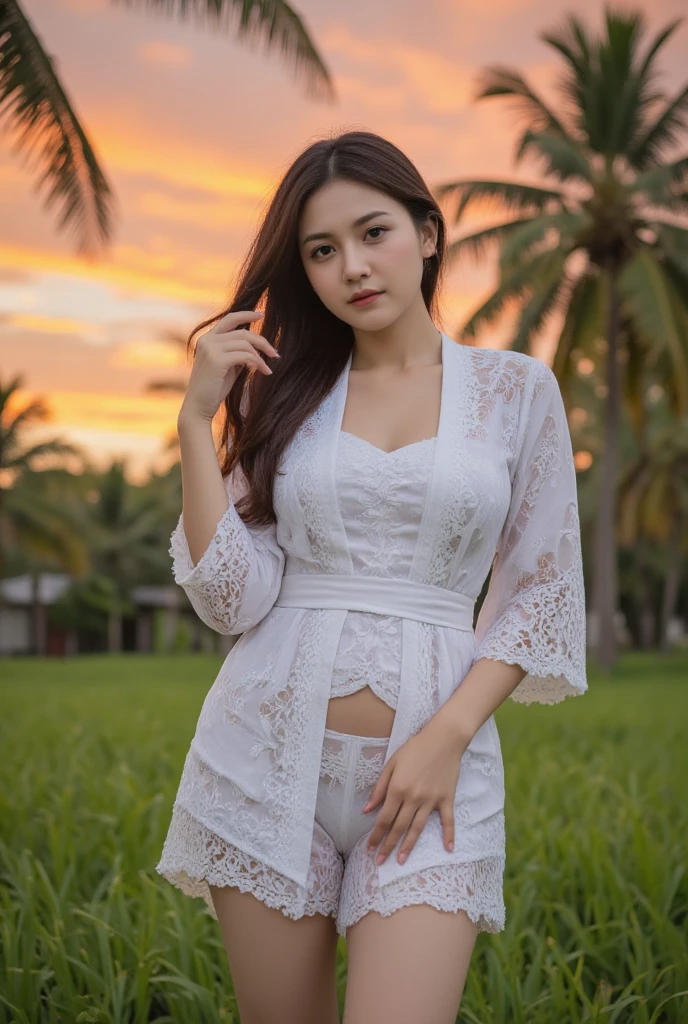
376	228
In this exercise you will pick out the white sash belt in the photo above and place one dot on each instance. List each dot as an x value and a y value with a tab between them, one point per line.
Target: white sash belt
405	598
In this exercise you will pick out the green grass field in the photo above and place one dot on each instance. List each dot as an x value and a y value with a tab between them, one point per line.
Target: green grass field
597	832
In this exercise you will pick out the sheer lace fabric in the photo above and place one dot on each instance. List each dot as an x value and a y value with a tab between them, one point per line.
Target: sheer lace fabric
534	612
237	579
342	881
381	495
496	490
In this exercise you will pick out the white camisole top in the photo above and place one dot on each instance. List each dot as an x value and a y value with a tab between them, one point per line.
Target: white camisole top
381	497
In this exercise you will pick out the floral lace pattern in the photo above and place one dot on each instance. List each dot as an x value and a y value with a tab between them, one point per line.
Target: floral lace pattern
475	887
498	493
535	604
194	858
382	495
335	761
238	576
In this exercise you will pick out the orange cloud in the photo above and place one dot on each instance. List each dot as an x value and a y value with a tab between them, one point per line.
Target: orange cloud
135	277
207	212
161	53
148	355
127	147
56	325
150	415
440	84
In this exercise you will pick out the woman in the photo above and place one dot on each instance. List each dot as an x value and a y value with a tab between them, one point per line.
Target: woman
346	776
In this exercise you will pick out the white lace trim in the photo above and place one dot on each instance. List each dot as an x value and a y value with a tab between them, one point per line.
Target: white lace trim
369	654
193	858
334	764
216	583
535	605
384	494
473	886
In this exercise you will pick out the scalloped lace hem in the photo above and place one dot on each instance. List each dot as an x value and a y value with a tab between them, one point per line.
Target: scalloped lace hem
544	688
473	886
194	857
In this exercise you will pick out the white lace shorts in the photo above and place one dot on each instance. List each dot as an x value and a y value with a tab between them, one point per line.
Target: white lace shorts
342	880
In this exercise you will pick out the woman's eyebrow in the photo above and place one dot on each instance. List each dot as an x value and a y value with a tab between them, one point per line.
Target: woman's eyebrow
356	224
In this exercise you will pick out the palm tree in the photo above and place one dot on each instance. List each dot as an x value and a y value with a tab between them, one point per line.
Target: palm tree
40	112
47	537
654	506
124	525
35	529
601	243
25	511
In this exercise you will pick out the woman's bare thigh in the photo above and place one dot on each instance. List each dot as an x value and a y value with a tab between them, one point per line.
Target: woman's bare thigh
410	966
361	713
283	971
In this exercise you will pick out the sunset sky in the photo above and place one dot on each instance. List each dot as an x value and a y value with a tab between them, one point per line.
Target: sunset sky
193	130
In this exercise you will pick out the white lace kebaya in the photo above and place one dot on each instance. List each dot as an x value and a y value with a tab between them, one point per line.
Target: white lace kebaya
495	489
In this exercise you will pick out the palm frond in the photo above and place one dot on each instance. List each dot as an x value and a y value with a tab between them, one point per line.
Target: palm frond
678	275
623	94
584	322
479	244
545	288
518	246
606	83
650	301
498	80
666	131
511	286
573	43
663	185
510	196
672	240
274	23
658	42
564	158
635	382
39	112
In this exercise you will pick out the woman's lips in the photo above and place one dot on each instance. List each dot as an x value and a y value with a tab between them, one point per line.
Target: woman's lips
367	300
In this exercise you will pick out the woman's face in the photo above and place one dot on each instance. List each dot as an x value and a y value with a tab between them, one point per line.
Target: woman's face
384	252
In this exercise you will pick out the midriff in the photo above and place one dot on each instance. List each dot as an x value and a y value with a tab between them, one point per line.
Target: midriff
361	714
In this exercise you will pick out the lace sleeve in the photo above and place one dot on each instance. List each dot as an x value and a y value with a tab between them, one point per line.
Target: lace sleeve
237	579
533	614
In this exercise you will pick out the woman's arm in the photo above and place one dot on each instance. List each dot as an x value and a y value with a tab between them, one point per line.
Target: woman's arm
486	685
231	572
204	494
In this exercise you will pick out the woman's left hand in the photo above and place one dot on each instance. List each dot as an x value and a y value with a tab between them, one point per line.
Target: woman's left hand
420	776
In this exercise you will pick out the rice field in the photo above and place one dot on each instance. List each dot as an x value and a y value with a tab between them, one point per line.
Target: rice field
597	837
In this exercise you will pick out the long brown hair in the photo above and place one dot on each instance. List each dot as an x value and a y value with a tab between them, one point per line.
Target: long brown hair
263	412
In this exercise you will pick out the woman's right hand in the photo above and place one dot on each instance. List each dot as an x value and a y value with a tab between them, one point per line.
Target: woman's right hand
220	354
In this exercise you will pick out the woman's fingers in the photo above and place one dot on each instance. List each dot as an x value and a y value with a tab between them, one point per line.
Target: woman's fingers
231	325
417	826
401	823
234	348
233	320
384	820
